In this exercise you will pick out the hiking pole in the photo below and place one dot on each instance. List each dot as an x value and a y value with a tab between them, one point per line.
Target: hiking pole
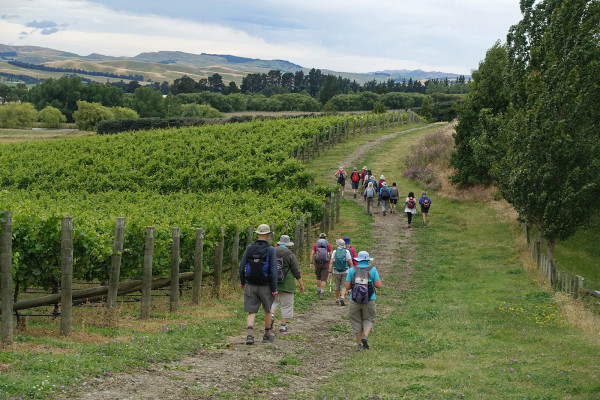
330	284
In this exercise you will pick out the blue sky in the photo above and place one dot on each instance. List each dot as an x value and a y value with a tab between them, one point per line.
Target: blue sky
341	35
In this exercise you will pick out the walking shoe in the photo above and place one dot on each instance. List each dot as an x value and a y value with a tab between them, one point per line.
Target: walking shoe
342	302
384	213
283	330
268	338
354	195
365	343
359	347
249	339
337	301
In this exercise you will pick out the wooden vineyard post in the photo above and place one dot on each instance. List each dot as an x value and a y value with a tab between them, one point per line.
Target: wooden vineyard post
337	206
235	256
577	285
175	242
297	238
347	130
354	128
147	274
66	275
552	272
308	233
361	124
286	227
272	234
367	124
292	153
6	283
325	218
300	244
115	265
218	264
250	235
332	211
198	265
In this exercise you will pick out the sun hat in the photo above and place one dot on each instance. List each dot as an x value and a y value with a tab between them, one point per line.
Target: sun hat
263	229
322	235
355	169
363	256
365	167
347	239
382	177
284	240
383	183
340	243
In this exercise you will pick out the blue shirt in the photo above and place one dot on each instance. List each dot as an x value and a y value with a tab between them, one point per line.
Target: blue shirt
373	276
423	198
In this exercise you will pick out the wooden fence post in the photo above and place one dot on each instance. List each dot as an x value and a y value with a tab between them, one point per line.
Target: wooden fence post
147	274
300	244
219	264
325	217
115	266
297	238
235	258
6	277
66	276
552	272
332	210
354	129
577	285
175	242
337	206
308	233
249	238
198	265
286	228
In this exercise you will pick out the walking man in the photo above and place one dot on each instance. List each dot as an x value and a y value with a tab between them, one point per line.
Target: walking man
341	261
384	195
320	256
394	196
288	269
341	178
258	276
425	202
354	178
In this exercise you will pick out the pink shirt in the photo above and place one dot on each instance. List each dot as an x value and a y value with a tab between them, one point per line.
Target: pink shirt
328	247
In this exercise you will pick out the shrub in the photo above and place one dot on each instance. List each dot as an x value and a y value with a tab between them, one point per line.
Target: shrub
431	150
51	117
88	115
17	115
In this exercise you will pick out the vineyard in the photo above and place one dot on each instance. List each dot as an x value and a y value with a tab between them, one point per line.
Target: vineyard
213	177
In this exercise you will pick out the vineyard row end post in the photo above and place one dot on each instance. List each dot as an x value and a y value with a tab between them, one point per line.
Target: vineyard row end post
147	274
66	276
6	283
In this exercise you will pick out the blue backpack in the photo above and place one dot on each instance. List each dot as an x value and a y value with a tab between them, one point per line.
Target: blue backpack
362	289
257	264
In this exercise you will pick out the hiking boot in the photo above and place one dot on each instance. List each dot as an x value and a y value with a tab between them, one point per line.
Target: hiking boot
342	303
249	339
384	213
283	330
359	347
354	195
268	338
365	343
337	301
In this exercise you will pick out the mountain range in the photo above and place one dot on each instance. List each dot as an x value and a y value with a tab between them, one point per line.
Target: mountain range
169	65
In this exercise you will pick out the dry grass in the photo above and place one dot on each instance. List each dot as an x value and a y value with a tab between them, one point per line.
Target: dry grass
26	135
577	314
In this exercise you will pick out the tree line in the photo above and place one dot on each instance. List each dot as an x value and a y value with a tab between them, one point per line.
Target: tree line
530	122
42	67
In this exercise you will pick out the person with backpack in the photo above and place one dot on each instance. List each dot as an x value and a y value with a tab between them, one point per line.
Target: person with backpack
351	249
379	185
366	181
341	178
369	195
341	261
364	175
354	178
410	207
425	202
258	276
287	270
384	195
362	281
394	196
320	256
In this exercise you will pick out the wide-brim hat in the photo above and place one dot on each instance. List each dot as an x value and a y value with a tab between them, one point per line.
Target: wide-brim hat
284	240
355	169
340	243
363	256
365	167
263	229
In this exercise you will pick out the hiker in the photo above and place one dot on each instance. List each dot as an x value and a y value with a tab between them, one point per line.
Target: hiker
341	178
341	262
410	207
288	269
354	178
394	196
320	256
362	280
379	185
364	175
258	276
351	249
384	195
368	178
369	195
425	202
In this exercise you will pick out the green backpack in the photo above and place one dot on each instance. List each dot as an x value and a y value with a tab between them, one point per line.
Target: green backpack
340	263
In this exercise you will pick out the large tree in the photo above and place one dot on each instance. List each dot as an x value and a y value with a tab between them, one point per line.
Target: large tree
551	168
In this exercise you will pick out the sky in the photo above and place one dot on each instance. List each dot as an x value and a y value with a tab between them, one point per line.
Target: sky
339	35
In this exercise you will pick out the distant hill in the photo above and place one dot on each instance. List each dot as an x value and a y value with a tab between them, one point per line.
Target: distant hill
169	65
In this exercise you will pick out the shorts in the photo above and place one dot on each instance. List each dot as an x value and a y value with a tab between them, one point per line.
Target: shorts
354	185
361	315
255	295
424	210
393	201
322	271
286	301
340	281
342	182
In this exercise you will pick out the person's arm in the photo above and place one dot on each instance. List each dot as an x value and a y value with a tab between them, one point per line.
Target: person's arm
349	279
273	269
242	268
377	284
349	258
375	278
312	255
331	261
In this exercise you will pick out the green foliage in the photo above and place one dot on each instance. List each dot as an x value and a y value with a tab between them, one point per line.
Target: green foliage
51	117
194	110
379	108
550	168
17	115
147	102
88	115
427	109
123	113
488	97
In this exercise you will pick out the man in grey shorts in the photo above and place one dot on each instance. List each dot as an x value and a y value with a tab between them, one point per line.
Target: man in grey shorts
287	287
258	276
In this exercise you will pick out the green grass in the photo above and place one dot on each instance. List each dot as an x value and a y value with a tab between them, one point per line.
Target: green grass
471	326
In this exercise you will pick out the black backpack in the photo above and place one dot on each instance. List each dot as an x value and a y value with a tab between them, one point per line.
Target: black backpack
385	194
257	263
281	271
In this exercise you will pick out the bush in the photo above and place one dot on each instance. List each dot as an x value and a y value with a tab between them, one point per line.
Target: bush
51	117
88	115
194	110
123	113
17	115
379	107
431	150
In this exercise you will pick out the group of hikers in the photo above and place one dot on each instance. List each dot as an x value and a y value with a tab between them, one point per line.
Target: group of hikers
387	196
268	275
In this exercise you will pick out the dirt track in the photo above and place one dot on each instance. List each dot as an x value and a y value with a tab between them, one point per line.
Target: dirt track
224	373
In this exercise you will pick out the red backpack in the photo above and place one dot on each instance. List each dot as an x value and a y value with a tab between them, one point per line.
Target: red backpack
411	202
355	177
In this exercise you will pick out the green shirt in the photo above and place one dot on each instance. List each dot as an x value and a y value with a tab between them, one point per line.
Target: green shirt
290	264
